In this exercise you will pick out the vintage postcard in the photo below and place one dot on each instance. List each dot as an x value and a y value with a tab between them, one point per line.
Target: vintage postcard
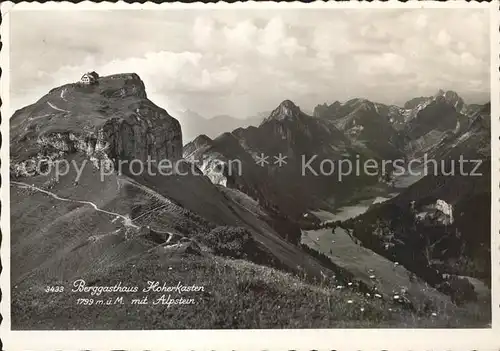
250	176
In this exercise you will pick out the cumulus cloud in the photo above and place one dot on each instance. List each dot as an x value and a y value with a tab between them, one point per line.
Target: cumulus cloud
241	37
386	63
244	62
332	37
272	40
203	30
443	38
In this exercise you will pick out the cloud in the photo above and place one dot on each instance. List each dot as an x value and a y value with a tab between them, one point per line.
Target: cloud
242	37
443	38
388	64
332	37
421	21
244	62
203	30
274	40
271	41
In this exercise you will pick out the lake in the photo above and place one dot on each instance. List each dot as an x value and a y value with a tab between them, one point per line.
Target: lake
346	212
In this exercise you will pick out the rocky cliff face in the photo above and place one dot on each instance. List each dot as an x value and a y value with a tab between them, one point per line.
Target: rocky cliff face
111	119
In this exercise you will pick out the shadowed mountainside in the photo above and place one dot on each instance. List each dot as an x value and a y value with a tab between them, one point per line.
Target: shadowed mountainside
304	142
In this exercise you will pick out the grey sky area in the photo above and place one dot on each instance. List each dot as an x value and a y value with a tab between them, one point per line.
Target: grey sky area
241	62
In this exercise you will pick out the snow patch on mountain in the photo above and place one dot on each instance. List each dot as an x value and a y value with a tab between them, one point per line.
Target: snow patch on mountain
441	212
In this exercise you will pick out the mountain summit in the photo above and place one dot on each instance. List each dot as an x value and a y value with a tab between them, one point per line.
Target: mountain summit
452	98
113	114
287	110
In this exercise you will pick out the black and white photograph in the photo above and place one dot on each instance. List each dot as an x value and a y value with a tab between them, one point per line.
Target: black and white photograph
259	167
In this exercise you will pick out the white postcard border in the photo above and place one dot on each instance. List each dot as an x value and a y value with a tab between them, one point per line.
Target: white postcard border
274	339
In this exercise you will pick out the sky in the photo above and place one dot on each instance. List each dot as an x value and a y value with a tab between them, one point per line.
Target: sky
242	62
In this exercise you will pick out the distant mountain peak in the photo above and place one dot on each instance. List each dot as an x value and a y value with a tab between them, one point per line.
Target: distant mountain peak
366	105
447	94
288	103
413	103
440	92
192	114
202	139
450	97
286	110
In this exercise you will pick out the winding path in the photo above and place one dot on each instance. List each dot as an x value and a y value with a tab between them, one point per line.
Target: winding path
56	108
126	220
38	117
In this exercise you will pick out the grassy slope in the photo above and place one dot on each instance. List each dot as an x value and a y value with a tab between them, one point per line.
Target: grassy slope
363	263
57	242
237	294
202	197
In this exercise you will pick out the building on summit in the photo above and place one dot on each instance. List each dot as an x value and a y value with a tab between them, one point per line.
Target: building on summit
89	78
